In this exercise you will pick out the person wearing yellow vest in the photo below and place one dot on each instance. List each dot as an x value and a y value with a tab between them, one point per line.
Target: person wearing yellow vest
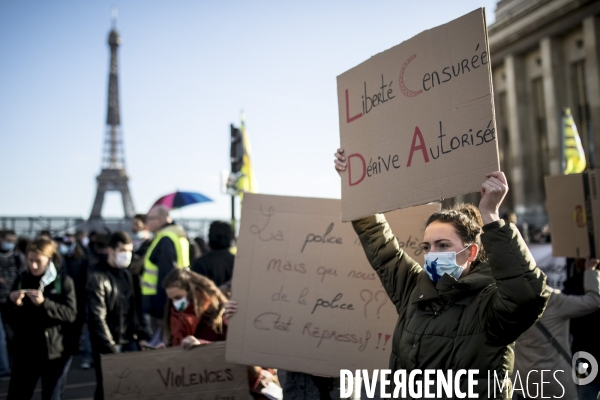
168	250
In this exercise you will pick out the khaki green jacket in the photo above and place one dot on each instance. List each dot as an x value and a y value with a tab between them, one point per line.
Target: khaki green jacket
470	323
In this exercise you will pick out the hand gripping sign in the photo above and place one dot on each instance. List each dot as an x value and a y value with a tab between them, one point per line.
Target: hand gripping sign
417	121
309	301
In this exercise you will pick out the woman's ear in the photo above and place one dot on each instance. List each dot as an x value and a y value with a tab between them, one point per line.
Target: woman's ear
473	252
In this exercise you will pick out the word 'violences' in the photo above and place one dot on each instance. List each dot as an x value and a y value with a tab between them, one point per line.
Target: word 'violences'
175	379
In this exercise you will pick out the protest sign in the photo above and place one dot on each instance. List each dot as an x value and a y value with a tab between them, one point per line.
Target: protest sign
309	300
197	374
555	268
417	121
574	214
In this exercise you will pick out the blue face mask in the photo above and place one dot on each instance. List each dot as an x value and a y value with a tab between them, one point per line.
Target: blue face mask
63	249
439	263
66	248
8	246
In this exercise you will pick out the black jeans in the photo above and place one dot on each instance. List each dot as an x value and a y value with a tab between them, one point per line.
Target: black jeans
99	393
27	369
9	334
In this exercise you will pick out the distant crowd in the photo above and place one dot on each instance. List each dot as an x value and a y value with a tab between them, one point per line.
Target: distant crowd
111	292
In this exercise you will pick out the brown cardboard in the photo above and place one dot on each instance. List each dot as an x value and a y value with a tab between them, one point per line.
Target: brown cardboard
283	266
574	213
388	106
174	373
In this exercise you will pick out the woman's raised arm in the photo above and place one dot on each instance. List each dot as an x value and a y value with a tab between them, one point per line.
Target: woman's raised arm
519	298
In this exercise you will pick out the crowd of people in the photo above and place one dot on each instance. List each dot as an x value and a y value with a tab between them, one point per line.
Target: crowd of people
107	293
479	301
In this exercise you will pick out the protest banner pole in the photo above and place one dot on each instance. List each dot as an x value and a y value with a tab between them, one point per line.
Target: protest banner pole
563	162
233	215
236	154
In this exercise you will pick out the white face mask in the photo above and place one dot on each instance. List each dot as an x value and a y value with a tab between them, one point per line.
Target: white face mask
63	249
49	276
181	304
85	241
444	262
123	259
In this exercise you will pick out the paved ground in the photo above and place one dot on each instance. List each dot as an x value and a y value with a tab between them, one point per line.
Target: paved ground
80	384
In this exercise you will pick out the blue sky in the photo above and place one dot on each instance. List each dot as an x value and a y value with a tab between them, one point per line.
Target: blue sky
186	70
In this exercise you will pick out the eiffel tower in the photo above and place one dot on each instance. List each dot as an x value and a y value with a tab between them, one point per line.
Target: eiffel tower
113	176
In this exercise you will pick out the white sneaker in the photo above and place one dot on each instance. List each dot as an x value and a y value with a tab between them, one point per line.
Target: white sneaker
85	365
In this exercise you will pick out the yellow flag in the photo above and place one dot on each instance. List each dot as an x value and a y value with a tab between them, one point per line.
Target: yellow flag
247	181
574	154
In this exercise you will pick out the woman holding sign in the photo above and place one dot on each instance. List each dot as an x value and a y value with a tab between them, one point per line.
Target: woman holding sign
195	315
43	308
477	293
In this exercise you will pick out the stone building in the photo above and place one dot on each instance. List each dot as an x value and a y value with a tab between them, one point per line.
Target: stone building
545	56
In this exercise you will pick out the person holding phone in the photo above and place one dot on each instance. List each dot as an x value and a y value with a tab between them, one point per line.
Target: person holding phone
194	313
195	316
43	307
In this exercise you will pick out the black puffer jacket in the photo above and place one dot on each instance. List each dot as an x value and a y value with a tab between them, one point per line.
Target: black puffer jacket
470	323
113	317
43	327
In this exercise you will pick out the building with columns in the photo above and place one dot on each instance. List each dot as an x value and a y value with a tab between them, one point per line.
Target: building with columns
545	55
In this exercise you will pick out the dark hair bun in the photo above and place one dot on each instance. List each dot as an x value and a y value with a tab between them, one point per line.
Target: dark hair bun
470	211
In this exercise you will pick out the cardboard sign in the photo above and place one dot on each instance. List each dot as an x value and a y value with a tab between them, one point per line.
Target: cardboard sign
555	268
309	301
574	214
417	121
197	374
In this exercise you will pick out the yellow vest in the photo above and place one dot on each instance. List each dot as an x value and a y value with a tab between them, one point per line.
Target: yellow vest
150	276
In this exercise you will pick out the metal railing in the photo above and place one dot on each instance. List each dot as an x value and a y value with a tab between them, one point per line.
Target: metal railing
57	226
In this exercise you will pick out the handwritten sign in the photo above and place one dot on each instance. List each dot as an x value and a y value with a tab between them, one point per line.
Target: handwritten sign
574	213
197	374
309	301
417	121
555	268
